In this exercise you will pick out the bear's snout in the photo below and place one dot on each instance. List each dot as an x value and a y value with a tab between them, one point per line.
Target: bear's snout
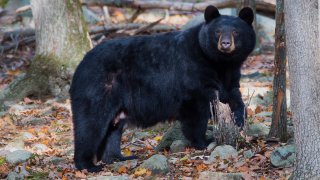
226	43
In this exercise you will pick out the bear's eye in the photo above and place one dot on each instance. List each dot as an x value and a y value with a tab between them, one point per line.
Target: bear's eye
235	33
218	32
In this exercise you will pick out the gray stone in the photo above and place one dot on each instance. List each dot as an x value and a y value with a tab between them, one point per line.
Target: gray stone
290	131
173	133
129	164
18	156
40	147
158	164
224	152
178	146
27	136
141	135
14	176
220	176
109	178
290	141
248	154
3	152
258	130
283	156
57	160
16	144
32	121
211	146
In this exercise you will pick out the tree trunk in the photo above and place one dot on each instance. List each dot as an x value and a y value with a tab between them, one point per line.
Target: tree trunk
302	35
279	115
61	41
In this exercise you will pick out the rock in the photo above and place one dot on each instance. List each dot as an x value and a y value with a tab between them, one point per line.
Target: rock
16	144
158	164
290	141
290	131
27	136
32	121
173	160
258	130
173	133
40	147
129	164
220	176
3	152
56	160
14	176
18	156
248	154
283	156
141	135
211	146
109	178
178	146
224	152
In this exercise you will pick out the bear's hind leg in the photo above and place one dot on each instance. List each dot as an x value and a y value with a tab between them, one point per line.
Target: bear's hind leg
112	150
91	123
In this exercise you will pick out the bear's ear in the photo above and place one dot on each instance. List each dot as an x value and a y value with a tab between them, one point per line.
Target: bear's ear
210	13
247	15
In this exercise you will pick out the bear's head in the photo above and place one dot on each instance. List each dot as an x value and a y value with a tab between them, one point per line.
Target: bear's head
227	38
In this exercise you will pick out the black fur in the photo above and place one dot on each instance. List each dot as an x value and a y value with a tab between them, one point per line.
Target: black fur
152	79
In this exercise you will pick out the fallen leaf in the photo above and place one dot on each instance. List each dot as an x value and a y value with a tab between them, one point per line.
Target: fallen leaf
243	169
80	174
201	167
127	152
122	169
158	138
258	109
140	172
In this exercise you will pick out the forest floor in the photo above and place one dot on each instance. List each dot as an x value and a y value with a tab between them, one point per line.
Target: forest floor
43	129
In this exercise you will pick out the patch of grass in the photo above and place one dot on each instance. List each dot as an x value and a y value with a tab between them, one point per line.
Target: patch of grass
2	160
38	175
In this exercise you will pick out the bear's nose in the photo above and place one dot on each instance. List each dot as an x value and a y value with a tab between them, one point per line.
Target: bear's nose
225	44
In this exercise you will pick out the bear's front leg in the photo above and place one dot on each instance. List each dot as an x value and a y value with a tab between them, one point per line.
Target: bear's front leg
237	106
194	116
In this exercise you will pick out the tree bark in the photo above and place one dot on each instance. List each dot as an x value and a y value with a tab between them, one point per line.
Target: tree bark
61	41
266	7
279	115
302	35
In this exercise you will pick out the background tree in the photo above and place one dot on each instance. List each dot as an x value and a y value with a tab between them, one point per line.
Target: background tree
61	41
302	35
279	111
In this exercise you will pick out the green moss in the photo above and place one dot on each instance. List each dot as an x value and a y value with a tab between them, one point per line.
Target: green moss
38	175
2	160
3	2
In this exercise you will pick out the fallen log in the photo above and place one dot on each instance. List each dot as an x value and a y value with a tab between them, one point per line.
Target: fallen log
265	7
26	36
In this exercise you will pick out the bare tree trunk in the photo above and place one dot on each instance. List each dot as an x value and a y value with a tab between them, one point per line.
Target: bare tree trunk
61	39
302	35
279	115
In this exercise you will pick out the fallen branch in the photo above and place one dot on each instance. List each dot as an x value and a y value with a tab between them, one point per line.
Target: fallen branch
266	7
26	36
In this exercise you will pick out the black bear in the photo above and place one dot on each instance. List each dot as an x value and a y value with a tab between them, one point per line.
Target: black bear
144	80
